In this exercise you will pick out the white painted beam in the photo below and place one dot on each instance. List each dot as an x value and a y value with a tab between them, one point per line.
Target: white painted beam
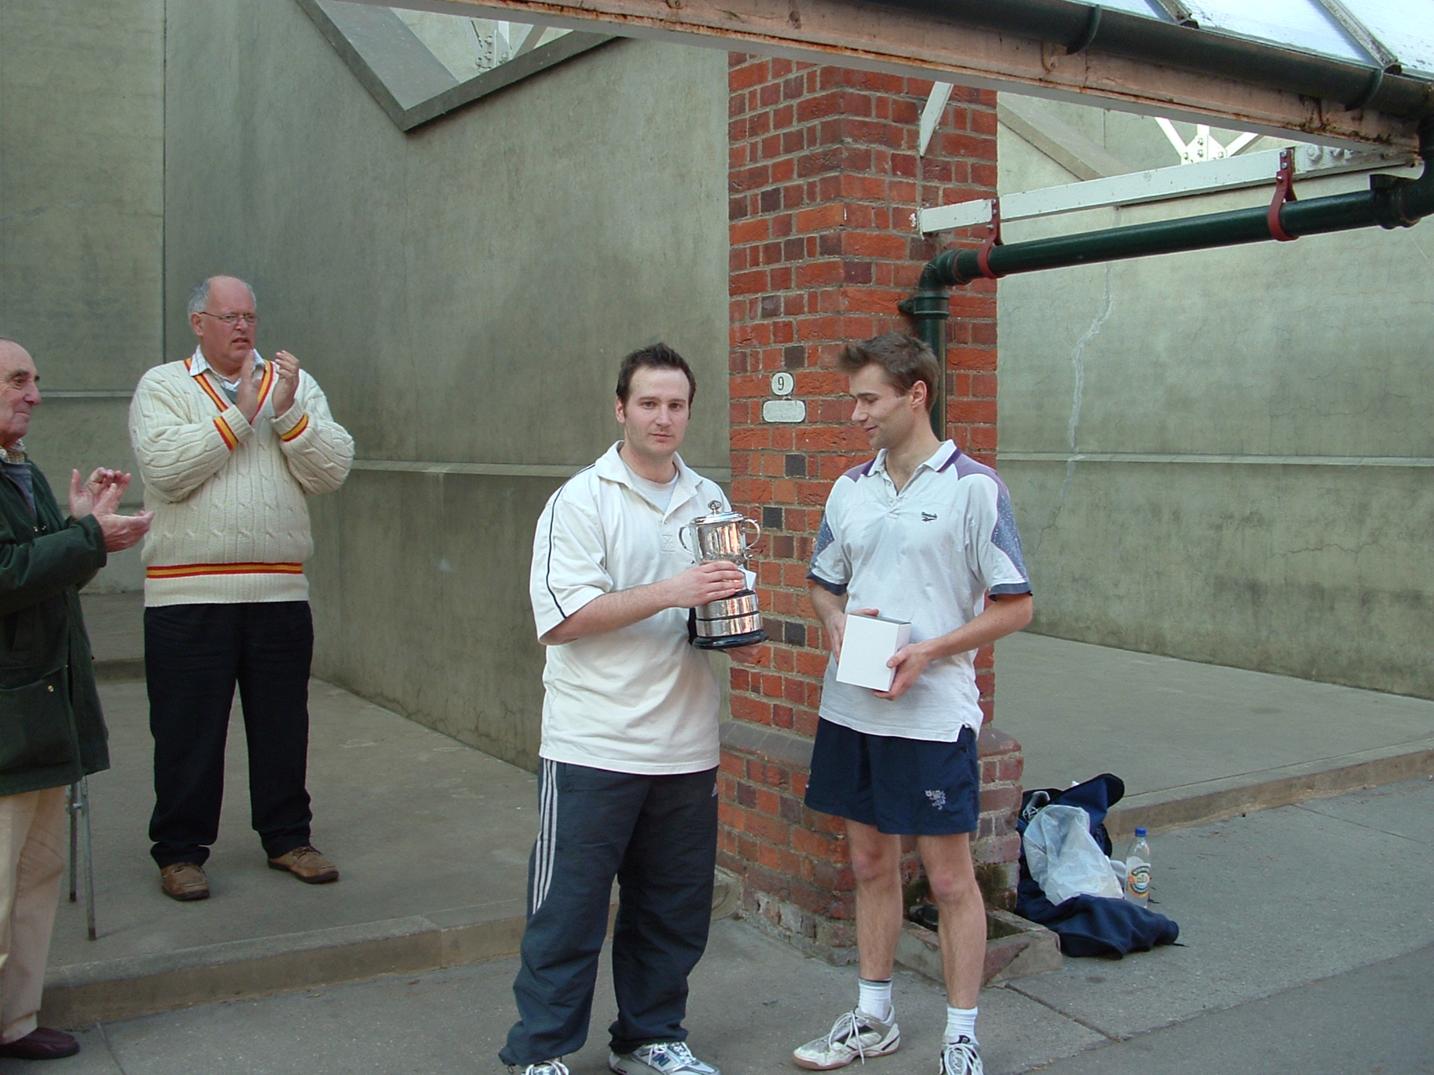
1204	146
1240	143
932	113
1160	184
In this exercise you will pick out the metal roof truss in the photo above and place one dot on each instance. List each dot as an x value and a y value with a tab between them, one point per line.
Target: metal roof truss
1161	184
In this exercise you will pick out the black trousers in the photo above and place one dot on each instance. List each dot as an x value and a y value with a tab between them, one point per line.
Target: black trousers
658	836
194	656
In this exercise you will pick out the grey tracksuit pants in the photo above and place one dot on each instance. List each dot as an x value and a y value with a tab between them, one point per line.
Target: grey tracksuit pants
657	835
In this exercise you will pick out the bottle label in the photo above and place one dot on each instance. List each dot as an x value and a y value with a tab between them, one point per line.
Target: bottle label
1137	881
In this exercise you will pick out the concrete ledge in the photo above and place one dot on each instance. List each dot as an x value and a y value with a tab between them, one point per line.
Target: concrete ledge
1028	948
1015	948
86	993
121	988
726	894
109	671
788	748
1213	800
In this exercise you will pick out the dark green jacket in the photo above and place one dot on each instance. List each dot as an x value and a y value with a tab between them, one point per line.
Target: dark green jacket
51	729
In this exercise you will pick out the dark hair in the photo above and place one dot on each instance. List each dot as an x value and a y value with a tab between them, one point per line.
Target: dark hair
656	356
902	357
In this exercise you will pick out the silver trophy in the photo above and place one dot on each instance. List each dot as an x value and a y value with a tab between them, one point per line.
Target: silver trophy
724	535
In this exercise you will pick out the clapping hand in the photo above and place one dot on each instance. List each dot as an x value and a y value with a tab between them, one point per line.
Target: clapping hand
286	383
83	494
246	397
100	497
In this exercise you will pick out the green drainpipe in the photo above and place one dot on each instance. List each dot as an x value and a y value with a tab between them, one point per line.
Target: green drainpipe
1390	202
930	308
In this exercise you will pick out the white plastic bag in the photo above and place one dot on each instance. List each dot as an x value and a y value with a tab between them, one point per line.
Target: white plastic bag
1064	858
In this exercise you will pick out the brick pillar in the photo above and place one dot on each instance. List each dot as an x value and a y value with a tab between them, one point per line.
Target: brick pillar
824	178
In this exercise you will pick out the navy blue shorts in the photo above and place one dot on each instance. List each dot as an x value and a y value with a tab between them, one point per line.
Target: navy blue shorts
904	787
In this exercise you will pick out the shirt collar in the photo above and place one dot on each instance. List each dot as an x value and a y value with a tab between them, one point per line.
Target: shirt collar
199	364
16	454
944	453
611	467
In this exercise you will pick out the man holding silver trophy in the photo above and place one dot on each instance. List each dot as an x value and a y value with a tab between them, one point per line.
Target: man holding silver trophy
627	783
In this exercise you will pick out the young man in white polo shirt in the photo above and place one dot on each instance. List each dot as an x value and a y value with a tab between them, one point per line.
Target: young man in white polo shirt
924	534
627	784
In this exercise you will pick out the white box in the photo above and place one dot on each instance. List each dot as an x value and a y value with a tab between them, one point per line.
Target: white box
867	644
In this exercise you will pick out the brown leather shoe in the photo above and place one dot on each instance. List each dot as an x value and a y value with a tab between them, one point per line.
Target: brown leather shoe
307	865
184	881
42	1043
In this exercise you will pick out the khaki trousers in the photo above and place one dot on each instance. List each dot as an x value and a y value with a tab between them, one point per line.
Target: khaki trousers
32	862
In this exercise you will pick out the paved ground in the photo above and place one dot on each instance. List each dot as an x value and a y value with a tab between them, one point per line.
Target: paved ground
431	838
1308	946
1308	928
1196	741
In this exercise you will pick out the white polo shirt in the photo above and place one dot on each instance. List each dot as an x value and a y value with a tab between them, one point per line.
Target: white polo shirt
639	699
928	554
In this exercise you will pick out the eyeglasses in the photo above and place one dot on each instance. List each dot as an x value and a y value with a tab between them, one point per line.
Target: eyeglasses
232	319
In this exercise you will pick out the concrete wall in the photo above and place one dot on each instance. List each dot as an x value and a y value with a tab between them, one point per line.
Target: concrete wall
1225	456
464	294
81	224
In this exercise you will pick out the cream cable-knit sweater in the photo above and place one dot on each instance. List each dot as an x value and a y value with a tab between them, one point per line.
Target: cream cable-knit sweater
230	519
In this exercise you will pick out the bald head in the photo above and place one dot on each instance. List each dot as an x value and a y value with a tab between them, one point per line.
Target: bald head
199	297
224	318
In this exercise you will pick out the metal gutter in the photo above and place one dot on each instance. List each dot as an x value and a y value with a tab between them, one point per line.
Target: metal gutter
1058	48
1081	27
1390	202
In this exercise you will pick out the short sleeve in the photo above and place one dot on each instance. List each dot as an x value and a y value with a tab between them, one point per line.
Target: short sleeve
831	566
999	561
569	558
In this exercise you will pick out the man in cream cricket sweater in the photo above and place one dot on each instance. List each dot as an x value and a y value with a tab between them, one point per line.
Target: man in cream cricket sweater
229	445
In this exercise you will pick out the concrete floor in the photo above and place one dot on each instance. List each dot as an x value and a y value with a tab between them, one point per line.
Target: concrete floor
1195	741
432	839
1307	946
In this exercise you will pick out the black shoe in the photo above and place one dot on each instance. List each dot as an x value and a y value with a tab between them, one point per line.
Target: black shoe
41	1044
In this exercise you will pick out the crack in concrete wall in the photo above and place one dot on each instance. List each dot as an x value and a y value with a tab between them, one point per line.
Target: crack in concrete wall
1077	397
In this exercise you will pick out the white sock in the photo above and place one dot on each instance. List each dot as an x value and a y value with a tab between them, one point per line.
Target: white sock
874	998
960	1023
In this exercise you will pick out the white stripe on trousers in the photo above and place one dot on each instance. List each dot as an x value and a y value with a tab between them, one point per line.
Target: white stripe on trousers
546	847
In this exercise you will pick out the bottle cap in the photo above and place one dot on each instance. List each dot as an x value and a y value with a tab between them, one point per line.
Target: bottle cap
1140	830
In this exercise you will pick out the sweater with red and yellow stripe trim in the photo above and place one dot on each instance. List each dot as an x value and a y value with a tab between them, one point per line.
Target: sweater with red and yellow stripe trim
231	522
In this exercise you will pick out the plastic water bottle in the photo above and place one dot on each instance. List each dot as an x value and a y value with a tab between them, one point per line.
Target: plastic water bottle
1137	869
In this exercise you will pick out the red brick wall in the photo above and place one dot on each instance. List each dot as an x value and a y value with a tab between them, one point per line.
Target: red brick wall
824	177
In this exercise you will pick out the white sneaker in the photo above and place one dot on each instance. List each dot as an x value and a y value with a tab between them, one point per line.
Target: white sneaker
660	1058
960	1057
854	1036
547	1067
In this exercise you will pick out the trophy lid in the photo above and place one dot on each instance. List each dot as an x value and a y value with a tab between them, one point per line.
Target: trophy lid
717	516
